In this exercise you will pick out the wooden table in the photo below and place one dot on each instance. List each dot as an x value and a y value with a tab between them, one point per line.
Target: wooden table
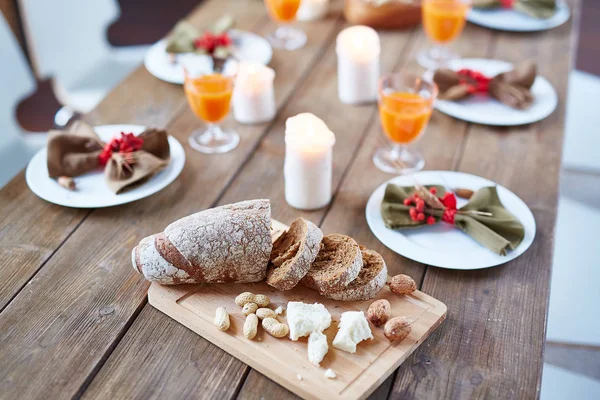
75	321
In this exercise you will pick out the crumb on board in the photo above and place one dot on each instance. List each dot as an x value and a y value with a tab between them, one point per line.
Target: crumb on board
299	377
279	310
330	374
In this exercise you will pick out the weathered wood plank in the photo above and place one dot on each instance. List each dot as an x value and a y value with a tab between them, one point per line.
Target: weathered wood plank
140	99
491	345
66	338
260	177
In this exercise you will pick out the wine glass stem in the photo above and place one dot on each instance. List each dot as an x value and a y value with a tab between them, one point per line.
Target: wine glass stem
214	131
397	150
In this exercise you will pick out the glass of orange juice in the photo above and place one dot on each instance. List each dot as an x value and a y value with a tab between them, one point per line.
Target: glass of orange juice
283	12
443	21
405	105
209	97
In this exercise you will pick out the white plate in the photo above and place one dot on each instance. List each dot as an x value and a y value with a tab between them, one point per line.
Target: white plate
92	191
442	245
482	109
511	20
247	46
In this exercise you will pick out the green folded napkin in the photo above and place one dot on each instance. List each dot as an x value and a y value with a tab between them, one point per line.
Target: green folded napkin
182	38
184	34
535	8
499	232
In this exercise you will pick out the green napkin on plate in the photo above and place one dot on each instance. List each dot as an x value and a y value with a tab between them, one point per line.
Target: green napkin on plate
501	231
182	38
184	34
535	8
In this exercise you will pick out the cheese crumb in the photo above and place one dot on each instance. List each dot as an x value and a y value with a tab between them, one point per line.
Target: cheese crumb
299	377
279	310
330	374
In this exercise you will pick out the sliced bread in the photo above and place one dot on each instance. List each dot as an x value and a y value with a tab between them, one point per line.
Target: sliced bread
370	280
293	253
338	263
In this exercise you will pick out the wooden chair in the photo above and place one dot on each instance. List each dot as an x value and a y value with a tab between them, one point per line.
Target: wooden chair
16	81
66	40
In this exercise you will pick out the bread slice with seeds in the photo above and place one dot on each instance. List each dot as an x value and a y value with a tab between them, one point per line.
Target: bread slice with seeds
371	279
338	263
293	253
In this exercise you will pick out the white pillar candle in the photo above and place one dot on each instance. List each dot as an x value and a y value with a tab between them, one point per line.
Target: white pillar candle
311	10
358	49
254	95
308	162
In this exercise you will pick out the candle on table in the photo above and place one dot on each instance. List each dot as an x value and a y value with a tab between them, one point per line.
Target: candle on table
311	10
308	162
254	95
358	49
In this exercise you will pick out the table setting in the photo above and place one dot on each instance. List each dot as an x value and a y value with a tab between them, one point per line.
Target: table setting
318	257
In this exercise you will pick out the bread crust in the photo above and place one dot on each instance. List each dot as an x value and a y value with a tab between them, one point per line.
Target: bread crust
284	273
224	244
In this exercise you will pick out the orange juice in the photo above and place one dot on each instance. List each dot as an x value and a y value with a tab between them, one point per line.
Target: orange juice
283	10
444	20
209	96
404	115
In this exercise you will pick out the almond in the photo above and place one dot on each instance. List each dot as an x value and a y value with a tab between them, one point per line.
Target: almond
379	312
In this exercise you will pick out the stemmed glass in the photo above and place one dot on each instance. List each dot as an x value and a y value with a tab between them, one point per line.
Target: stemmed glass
443	21
283	12
209	97
405	106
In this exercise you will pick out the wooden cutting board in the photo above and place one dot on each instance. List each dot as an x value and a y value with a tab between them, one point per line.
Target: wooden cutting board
286	361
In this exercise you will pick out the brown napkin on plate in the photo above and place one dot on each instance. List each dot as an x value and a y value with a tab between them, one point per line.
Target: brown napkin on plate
534	8
501	231
511	88
79	150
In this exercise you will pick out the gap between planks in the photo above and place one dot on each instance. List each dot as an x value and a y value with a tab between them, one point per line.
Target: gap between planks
368	126
226	186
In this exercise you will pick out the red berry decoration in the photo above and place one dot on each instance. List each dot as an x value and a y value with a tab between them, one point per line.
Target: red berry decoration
223	40
433	190
430	220
420	205
207	42
413	213
449	200
407	201
126	143
420	216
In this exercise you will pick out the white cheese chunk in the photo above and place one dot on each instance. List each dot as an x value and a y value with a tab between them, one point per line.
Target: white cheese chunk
304	319
317	347
330	374
352	330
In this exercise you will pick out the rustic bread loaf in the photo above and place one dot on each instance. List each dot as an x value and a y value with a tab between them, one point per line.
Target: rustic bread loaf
230	243
338	263
292	254
370	280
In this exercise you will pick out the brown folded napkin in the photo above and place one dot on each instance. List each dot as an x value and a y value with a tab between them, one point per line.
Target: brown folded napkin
511	88
484	218
128	160
534	8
